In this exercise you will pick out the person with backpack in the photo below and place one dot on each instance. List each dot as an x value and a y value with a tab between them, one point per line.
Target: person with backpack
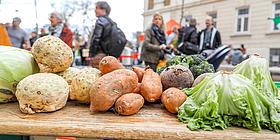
154	42
107	38
188	39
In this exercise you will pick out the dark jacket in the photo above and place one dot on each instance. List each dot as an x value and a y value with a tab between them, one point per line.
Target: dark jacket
151	48
101	30
216	40
188	34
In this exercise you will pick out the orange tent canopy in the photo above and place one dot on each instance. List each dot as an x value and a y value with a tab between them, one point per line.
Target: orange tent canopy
170	24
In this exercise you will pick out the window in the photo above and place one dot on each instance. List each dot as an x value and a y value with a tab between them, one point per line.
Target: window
274	57
214	17
166	2
276	13
150	4
242	23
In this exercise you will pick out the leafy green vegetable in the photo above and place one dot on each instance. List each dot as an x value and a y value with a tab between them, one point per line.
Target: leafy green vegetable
257	69
196	63
15	64
222	100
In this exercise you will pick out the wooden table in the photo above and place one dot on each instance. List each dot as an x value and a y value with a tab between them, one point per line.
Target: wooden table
152	122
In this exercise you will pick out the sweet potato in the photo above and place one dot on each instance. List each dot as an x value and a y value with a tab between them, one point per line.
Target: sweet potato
109	87
137	89
96	60
177	76
129	104
151	87
172	99
140	72
109	64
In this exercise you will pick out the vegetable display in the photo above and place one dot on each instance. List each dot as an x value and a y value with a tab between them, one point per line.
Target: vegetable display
109	87
15	64
222	100
196	63
42	92
52	54
256	69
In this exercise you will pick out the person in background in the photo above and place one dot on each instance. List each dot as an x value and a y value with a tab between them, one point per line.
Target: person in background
236	56
33	38
209	38
4	38
59	29
244	52
43	32
18	36
102	28
154	42
188	38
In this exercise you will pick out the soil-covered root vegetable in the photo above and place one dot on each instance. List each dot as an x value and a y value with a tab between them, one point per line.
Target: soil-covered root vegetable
82	83
109	64
109	87
200	78
172	99
42	92
151	87
140	73
52	54
69	74
177	76
129	104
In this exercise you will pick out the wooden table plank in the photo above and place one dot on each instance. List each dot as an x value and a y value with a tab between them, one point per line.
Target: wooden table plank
152	122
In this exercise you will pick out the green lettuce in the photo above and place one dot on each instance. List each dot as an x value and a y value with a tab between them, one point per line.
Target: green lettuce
15	64
257	69
222	100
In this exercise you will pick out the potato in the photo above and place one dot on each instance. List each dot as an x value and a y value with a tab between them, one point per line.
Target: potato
140	72
96	60
138	88
172	99
52	54
82	83
151	87
177	76
42	92
69	74
199	79
109	64
129	104
109	87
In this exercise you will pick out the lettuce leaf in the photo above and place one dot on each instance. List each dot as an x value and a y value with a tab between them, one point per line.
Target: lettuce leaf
222	100
257	69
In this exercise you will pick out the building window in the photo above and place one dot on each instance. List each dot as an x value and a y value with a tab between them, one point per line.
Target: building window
274	57
214	17
242	23
150	4
166	2
276	14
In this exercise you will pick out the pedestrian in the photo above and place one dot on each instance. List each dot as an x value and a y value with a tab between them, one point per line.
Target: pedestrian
43	32
188	39
209	38
244	52
154	42
107	38
172	38
60	29
18	36
4	38
236	56
33	38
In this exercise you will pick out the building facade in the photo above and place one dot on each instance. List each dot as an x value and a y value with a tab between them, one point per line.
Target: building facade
239	21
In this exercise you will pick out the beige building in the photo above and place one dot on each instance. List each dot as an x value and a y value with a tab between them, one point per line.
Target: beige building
239	21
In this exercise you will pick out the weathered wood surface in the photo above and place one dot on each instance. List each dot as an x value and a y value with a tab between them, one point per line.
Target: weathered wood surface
152	122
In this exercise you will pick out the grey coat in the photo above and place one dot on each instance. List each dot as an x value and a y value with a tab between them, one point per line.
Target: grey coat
151	48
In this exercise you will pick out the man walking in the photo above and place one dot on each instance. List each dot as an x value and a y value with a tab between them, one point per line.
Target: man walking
210	37
18	36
